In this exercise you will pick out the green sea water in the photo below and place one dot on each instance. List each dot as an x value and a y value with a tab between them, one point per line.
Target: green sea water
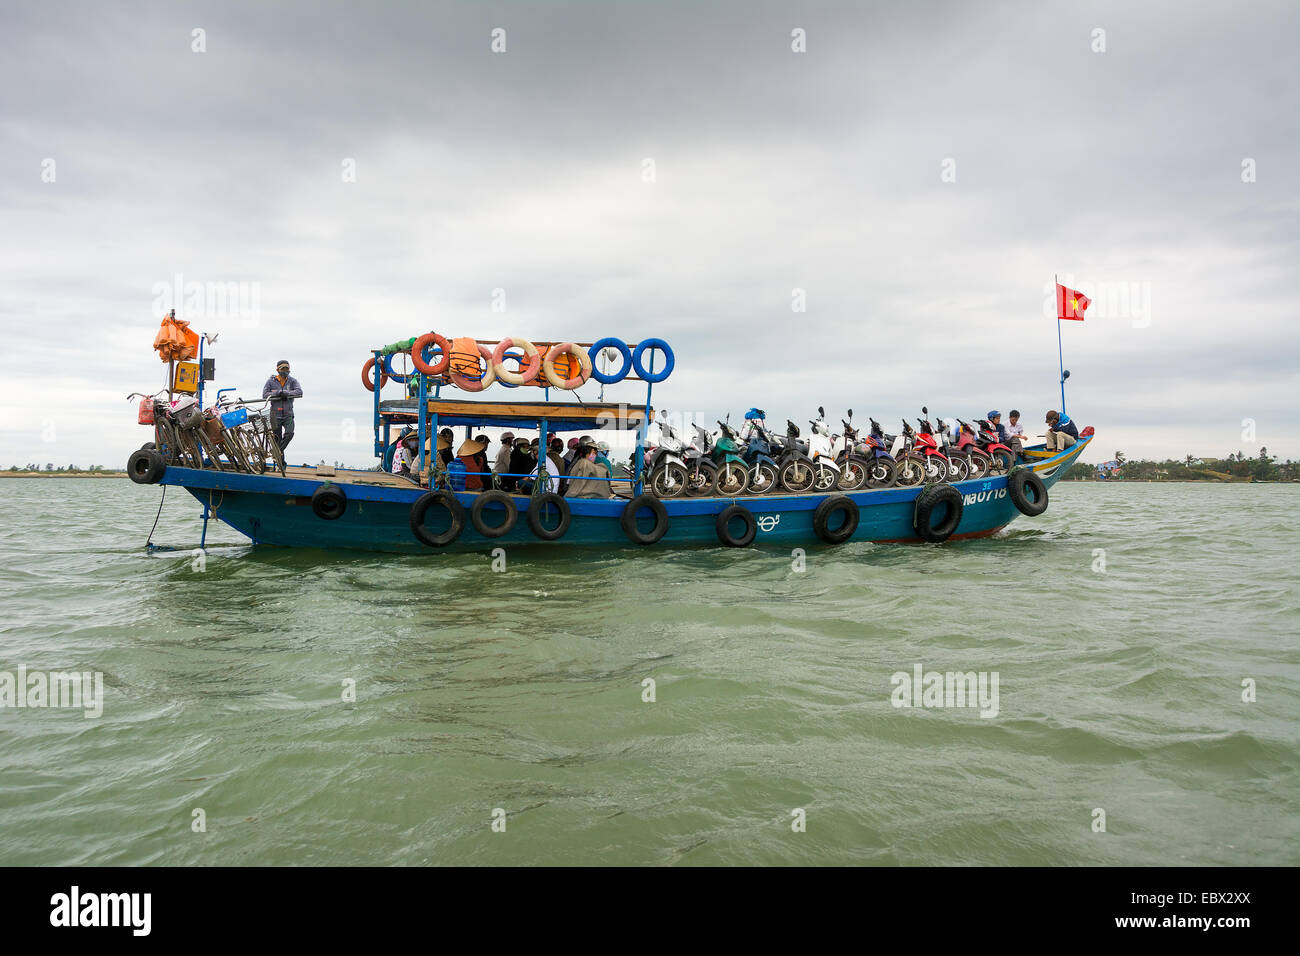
1121	626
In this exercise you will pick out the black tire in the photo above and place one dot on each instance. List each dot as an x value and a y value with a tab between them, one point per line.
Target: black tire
909	471
701	480
421	507
535	506
147	445
723	524
881	473
669	480
928	503
798	485
853	474
481	525
1002	462
634	533
822	519
763	479
145	466
1027	491
329	502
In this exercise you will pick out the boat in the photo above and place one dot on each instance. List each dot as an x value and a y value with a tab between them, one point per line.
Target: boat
375	510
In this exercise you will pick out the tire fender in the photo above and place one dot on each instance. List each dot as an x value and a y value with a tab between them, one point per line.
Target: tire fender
630	510
329	502
146	466
723	525
926	503
1020	485
421	507
481	525
535	520
822	518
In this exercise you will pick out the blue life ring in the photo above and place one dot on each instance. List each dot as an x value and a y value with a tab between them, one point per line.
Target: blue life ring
609	378
668	355
388	367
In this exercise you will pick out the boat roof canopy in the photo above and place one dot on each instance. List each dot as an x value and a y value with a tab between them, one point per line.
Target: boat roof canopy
560	416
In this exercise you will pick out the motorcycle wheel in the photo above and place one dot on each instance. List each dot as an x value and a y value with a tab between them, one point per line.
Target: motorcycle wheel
1003	462
762	479
668	480
911	471
882	473
979	465
854	475
958	470
701	480
935	469
732	480
797	476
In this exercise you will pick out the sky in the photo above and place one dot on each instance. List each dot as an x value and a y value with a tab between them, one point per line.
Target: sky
843	204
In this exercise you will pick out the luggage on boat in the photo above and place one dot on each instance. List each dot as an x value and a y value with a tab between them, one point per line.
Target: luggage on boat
233	419
146	410
456	474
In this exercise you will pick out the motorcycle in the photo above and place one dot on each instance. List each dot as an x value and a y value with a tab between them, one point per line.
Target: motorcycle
663	463
958	463
882	469
1002	457
852	458
813	467
732	474
756	450
925	450
981	463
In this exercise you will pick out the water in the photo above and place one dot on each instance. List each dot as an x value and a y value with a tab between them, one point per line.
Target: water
523	691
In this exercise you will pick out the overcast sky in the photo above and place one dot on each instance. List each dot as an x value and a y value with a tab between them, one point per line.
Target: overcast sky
920	172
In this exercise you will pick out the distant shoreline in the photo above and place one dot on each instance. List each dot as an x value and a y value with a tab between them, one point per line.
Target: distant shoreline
63	474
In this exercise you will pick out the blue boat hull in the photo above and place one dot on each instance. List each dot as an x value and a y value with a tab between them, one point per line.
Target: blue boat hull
275	510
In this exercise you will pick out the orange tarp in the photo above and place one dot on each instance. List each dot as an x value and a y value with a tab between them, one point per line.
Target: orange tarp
175	340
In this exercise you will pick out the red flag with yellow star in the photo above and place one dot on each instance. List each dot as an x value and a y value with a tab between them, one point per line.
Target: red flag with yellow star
1070	304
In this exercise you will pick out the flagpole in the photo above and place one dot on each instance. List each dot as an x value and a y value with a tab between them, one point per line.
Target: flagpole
1060	355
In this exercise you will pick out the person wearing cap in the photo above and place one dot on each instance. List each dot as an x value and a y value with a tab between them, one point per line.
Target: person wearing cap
501	466
1061	432
282	388
602	458
571	455
471	456
585	475
995	419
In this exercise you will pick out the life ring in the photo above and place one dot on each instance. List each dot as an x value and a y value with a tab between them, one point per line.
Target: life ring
641	372
489	376
1016	490
454	510
146	466
368	380
822	519
609	378
329	502
552	376
400	378
723	524
531	353
927	502
518	357
417	354
629	519
481	525
535	517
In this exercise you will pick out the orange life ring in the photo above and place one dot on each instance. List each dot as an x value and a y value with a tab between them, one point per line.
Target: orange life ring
417	354
477	385
368	380
584	366
526	375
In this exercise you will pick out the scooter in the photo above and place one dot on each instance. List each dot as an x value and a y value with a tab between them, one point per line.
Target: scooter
796	468
958	464
664	464
852	458
925	449
817	470
911	464
882	469
1002	456
756	450
732	472
981	463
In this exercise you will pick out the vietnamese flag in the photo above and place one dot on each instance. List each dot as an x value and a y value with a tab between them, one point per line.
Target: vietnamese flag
1070	304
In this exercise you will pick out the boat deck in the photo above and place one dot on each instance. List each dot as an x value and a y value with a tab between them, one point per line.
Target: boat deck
357	476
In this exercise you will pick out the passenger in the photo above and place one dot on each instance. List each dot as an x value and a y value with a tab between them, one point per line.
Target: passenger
1015	432
602	458
556	457
404	452
502	464
995	419
521	463
552	469
1061	432
281	389
444	451
571	455
470	454
482	456
585	475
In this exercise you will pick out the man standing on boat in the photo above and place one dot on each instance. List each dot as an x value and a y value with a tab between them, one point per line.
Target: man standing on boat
282	388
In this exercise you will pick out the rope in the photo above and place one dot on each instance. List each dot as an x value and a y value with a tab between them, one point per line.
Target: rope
149	543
